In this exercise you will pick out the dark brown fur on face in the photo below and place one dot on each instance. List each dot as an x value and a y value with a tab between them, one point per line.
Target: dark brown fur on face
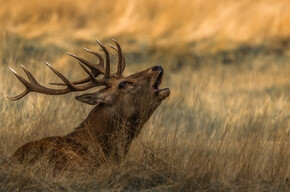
120	111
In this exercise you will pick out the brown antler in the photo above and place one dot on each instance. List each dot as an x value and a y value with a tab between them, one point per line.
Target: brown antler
91	81
121	58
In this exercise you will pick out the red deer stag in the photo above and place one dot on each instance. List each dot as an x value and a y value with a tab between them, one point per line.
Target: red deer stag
121	109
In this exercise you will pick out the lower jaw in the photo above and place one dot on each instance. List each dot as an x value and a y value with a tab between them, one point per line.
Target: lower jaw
163	93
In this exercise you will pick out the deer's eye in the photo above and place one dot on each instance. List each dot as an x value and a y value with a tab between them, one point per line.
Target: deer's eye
123	84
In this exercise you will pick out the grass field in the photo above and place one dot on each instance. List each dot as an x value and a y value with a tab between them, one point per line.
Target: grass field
225	126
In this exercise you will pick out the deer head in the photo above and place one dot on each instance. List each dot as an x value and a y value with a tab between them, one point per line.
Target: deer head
135	96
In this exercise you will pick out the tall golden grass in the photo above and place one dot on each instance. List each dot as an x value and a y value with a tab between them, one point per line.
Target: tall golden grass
226	125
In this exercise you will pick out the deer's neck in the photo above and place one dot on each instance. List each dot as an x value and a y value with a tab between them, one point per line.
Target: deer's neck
107	128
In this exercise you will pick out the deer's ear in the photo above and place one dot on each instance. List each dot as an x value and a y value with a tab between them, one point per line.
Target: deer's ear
91	98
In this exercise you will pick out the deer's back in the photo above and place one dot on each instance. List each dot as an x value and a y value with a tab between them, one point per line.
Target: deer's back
60	151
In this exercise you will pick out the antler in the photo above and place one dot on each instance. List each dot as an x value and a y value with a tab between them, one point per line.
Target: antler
121	58
89	82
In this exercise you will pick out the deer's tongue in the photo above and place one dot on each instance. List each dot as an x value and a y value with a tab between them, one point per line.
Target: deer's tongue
163	93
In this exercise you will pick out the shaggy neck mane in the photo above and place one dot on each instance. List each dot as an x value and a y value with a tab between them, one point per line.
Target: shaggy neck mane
100	122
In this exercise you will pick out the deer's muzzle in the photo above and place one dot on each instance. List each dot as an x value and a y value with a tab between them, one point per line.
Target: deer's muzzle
161	93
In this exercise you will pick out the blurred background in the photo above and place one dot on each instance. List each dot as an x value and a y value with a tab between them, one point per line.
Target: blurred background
149	23
175	26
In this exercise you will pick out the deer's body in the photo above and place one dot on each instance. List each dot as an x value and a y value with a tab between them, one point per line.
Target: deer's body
120	111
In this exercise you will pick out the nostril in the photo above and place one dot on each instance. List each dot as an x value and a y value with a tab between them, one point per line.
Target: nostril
156	68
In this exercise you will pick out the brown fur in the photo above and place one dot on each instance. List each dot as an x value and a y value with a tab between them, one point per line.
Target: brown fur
107	133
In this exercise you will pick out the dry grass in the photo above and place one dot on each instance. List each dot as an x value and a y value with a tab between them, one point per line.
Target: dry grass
226	125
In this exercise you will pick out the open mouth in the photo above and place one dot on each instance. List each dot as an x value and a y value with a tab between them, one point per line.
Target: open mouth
161	93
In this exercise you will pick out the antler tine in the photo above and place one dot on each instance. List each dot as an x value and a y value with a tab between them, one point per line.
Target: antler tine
24	82
121	59
96	54
91	75
107	71
19	77
15	98
124	64
63	78
28	74
121	67
96	69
